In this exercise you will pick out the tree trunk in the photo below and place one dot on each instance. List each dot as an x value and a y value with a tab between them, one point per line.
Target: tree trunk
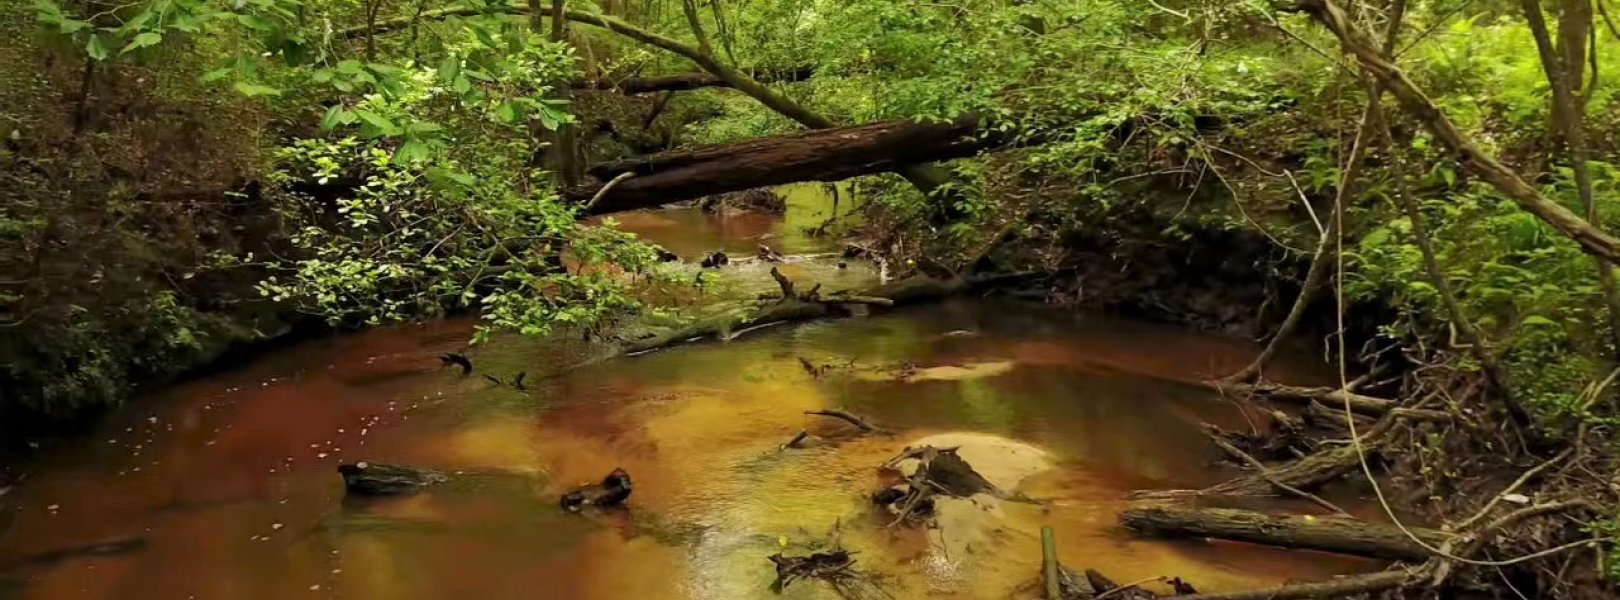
1564	67
823	155
927	178
1327	534
564	152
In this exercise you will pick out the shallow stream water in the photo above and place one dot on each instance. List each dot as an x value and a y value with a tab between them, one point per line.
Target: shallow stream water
224	486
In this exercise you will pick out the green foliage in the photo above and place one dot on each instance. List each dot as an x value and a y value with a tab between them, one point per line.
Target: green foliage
437	207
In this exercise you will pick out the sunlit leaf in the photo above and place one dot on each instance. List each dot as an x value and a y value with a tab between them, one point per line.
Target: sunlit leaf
334	117
253	90
150	38
96	48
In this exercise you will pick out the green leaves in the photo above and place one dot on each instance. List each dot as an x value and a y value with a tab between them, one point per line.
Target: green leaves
336	116
253	90
96	48
508	113
412	152
376	124
449	70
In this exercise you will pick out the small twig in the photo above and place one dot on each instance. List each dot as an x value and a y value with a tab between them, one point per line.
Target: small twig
1486	510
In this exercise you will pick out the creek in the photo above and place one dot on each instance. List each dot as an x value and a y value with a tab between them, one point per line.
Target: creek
225	486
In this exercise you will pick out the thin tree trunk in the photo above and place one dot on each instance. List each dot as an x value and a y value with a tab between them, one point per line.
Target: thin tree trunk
1355	40
1564	74
1323	257
565	151
657	109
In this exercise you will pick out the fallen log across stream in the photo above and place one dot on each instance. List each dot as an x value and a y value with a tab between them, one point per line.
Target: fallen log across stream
822	155
1325	533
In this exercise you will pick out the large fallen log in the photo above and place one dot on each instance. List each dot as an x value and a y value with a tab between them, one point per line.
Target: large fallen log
820	155
1327	534
681	82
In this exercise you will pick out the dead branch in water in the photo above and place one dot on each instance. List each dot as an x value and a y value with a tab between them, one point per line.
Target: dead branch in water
1265	473
798	439
1366	405
1332	589
844	416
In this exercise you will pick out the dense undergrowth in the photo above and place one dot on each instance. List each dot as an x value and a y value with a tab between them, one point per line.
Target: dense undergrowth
183	175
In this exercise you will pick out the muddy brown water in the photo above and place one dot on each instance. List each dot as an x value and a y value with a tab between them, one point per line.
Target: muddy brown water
224	487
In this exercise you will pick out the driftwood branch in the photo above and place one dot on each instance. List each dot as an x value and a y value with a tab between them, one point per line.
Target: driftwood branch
1328	534
1265	472
844	416
1333	589
1332	397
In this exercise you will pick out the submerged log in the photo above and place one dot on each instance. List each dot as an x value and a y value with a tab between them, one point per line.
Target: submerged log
1328	534
612	491
1343	587
102	549
821	155
845	417
375	479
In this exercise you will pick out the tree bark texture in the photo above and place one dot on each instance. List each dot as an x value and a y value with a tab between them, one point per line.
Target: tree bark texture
822	155
1325	533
